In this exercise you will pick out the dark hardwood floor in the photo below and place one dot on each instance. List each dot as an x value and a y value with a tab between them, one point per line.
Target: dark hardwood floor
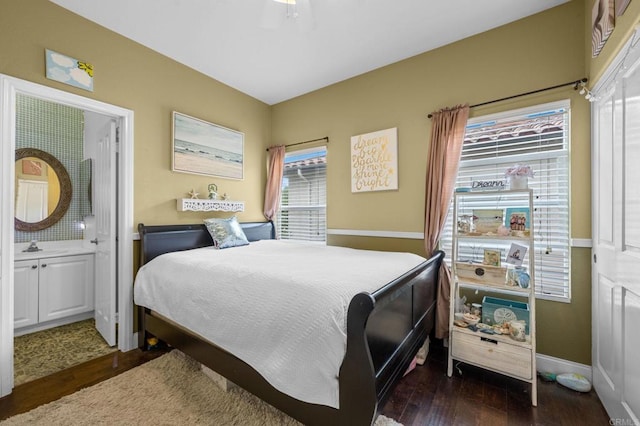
426	396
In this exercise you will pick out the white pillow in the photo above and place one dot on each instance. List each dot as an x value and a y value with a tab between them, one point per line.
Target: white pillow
226	232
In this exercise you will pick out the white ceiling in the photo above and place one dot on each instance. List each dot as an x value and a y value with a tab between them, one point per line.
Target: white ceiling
252	46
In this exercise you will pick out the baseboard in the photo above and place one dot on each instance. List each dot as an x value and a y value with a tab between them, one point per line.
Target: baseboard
549	364
53	323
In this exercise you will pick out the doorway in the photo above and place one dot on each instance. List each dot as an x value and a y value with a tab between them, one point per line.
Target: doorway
123	251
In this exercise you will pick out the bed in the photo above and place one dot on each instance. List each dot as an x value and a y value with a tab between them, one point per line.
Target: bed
384	329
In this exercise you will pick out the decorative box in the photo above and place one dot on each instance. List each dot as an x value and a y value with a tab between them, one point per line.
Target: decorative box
480	273
497	311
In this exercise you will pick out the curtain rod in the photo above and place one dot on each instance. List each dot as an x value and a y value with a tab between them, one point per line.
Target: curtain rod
312	140
571	83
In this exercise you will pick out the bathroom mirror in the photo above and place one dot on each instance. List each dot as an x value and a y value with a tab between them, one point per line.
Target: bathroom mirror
85	190
43	190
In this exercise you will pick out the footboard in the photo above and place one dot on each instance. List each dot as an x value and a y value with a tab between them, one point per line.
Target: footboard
385	330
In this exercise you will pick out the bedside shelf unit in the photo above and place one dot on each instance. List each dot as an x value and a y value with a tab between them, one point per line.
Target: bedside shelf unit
206	205
499	353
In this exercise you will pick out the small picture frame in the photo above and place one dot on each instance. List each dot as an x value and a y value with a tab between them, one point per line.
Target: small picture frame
492	257
517	219
487	221
32	167
516	254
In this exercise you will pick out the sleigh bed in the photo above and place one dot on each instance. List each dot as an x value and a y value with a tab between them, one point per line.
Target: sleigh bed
384	329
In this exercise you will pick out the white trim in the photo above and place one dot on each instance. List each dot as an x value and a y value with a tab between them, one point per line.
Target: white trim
126	341
9	86
383	234
549	364
7	148
135	236
581	242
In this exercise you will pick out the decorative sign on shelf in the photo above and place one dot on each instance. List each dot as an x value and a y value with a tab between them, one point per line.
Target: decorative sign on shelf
374	161
197	205
485	185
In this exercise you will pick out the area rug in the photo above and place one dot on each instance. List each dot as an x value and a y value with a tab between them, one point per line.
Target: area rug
170	390
49	351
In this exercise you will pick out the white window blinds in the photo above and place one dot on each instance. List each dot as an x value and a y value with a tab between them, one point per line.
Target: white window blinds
303	204
538	137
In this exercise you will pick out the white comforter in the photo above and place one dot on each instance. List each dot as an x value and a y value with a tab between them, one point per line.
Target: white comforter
279	306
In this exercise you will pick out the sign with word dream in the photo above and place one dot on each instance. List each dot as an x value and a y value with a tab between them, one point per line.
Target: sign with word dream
374	161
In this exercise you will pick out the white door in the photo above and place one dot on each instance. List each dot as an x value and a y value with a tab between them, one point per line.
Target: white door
105	202
32	200
616	239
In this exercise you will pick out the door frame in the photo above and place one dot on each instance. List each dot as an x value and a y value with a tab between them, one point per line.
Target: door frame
9	88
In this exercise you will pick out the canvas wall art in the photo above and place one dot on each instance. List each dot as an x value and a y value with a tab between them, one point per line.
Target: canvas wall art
602	24
68	70
374	161
204	148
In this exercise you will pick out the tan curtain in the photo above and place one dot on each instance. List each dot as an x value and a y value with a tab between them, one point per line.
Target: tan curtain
274	181
447	134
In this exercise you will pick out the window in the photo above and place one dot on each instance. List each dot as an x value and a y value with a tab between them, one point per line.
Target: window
303	204
538	137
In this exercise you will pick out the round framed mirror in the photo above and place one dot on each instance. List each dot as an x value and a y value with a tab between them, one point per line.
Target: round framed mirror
43	190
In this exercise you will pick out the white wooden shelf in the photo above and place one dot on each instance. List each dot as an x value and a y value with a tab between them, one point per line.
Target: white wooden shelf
504	289
206	205
499	353
494	237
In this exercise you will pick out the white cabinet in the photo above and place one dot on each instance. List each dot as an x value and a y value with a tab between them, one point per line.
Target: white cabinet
25	293
493	233
52	288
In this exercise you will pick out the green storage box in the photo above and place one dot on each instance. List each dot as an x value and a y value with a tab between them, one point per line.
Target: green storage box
496	311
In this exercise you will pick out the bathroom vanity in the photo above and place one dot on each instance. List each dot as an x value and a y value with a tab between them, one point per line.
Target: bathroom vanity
52	287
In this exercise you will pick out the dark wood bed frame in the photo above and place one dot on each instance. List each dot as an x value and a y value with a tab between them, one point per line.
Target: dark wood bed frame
385	329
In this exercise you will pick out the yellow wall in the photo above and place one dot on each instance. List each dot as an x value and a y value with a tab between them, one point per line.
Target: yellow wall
512	59
509	60
134	77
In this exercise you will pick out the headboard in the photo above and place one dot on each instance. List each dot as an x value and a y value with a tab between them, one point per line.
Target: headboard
160	239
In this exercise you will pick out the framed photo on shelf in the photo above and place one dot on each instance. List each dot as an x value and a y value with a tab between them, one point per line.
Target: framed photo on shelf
492	257
516	254
517	218
487	221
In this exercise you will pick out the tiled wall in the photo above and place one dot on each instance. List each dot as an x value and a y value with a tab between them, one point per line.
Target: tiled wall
58	130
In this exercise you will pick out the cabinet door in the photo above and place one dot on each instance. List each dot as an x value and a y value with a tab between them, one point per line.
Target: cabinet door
25	300
66	286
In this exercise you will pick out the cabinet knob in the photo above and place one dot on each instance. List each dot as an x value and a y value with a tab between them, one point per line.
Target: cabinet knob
94	241
44	265
34	266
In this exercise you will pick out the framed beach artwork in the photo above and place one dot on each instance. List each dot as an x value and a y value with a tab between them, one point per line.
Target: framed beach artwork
204	148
